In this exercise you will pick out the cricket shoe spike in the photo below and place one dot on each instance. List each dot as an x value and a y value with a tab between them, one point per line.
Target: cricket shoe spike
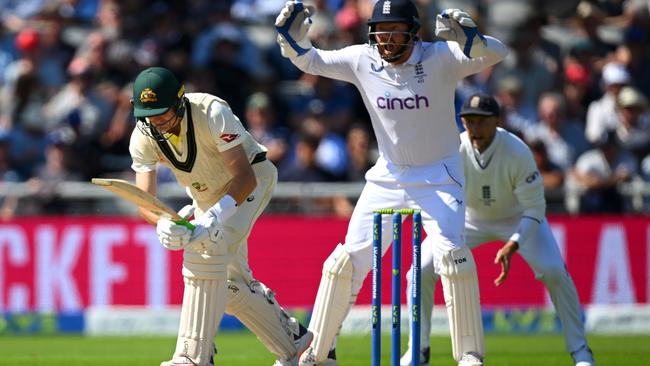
583	357
471	359
302	340
425	354
310	359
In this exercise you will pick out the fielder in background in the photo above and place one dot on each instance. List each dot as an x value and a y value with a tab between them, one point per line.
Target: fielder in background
407	86
226	174
505	201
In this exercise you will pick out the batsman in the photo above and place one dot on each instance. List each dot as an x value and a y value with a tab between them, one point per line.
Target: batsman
407	86
226	174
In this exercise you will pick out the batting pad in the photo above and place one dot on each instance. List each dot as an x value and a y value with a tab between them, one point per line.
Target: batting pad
255	306
460	285
332	303
204	302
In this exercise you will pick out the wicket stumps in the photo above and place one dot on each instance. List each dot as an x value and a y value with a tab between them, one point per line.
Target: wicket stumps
396	284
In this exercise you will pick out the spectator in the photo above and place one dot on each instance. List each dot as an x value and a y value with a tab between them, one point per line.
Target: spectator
577	91
52	173
331	154
633	130
600	171
305	168
552	175
358	145
601	114
7	175
516	117
261	123
564	139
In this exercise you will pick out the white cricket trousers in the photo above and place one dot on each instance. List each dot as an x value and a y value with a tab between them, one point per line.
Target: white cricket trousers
542	255
443	213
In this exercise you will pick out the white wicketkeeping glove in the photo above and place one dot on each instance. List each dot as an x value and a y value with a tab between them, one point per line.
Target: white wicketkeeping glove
293	25
172	235
457	26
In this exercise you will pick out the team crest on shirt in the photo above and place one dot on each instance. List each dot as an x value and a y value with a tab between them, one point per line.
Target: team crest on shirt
487	196
147	96
229	137
419	73
200	187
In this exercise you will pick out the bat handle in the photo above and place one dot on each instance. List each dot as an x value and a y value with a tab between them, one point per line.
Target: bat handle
185	223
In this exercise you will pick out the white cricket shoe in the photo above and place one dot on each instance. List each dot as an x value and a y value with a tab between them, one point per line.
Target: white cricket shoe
583	357
302	340
183	361
471	359
309	359
424	357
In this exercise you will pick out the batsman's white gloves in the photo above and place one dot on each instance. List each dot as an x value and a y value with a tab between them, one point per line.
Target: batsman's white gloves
172	235
293	25
457	26
207	236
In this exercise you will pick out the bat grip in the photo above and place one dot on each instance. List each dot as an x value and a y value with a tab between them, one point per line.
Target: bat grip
185	223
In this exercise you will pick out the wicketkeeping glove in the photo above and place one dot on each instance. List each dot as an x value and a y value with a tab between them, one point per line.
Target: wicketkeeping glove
292	25
457	26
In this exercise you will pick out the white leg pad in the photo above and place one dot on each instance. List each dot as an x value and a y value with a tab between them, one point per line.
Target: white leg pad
204	302
332	304
460	285
255	306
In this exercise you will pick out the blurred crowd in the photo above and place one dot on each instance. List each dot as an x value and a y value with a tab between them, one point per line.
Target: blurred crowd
573	85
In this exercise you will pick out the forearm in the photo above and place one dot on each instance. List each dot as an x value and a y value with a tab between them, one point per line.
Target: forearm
147	182
527	227
242	185
493	50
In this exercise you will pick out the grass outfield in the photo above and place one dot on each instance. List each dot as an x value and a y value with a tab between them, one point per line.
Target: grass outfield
244	349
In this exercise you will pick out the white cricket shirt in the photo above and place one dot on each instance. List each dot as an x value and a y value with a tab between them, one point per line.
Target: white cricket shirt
411	105
503	182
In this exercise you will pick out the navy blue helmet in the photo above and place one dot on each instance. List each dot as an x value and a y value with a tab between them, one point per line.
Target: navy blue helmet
395	11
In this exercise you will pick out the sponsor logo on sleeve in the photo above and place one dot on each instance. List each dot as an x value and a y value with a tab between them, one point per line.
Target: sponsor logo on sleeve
229	137
531	178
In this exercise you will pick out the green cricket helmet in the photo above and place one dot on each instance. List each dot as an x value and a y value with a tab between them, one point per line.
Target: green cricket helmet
155	91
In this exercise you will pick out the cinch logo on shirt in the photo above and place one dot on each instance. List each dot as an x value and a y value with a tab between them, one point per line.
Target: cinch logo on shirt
415	102
229	137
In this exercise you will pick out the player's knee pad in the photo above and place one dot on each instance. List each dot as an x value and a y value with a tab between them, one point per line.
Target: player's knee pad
460	285
333	301
211	264
204	302
255	306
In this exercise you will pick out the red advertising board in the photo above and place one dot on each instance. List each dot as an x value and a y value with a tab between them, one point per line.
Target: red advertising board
69	263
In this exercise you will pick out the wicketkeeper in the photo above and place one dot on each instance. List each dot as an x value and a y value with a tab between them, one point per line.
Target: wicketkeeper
407	86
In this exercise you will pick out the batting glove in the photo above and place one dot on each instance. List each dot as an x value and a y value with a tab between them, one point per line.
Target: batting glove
457	26
172	235
208	237
293	25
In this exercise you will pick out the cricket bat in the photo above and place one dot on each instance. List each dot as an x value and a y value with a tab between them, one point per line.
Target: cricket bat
137	196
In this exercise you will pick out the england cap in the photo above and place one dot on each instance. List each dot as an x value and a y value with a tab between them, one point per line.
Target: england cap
480	104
